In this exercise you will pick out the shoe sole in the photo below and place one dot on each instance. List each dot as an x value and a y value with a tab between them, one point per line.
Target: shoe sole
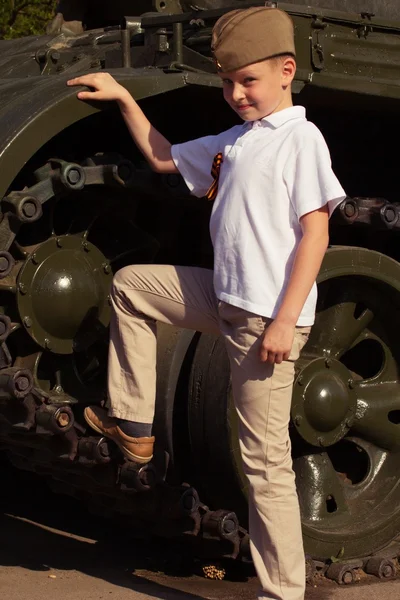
125	452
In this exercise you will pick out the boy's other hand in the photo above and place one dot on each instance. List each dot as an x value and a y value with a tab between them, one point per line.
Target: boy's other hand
104	87
276	342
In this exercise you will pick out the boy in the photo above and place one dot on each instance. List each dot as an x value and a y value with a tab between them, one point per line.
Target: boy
274	190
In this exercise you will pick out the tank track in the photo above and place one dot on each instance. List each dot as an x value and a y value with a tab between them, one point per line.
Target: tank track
45	432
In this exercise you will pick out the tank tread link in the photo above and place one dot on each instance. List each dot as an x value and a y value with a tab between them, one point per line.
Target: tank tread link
78	203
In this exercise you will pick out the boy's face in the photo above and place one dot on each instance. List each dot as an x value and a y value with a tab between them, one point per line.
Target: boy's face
260	89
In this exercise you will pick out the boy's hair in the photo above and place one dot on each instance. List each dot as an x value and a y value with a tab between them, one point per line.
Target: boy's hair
245	36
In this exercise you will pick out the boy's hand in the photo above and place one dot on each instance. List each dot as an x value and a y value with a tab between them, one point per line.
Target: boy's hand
276	342
104	87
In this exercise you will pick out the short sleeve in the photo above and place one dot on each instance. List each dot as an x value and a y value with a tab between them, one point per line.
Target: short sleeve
309	176
194	160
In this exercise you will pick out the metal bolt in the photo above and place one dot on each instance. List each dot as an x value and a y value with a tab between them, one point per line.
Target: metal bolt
106	268
321	441
125	171
347	577
173	180
22	288
63	419
298	419
34	259
189	502
27	321
29	209
4	264
348	422
387	571
109	299
47	343
73	176
350	383
85	246
55	56
328	363
349	210
104	450
59	242
22	383
300	380
390	215
228	526
58	389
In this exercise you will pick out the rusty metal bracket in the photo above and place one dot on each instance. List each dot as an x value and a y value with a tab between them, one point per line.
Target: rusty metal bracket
365	28
317	51
376	212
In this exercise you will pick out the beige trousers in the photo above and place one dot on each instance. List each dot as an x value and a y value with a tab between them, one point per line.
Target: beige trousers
184	296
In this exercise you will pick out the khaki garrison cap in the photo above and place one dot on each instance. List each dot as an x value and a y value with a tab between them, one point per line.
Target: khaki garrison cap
245	36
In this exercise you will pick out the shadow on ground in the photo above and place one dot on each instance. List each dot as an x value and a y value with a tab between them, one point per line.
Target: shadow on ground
96	547
42	532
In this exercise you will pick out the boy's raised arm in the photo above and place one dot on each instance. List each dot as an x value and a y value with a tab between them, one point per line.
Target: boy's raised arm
154	147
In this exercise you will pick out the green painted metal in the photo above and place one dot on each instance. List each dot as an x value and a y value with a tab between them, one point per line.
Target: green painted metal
348	490
324	402
49	107
346	442
336	50
62	289
346	403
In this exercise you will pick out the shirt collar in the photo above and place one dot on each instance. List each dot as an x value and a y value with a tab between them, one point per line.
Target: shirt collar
283	116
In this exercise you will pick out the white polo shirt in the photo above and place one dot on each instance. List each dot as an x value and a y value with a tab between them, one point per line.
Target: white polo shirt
274	171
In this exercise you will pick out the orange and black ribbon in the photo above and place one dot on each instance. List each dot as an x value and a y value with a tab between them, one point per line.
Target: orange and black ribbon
215	170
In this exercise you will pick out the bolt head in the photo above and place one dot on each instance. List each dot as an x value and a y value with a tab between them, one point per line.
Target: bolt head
4	264
349	210
387	571
47	343
106	268
298	419
22	383
29	209
125	171
85	246
350	383
390	215
347	577
228	526
321	441
22	288
104	450
328	363
34	259
27	322
59	242
73	176
173	180
63	419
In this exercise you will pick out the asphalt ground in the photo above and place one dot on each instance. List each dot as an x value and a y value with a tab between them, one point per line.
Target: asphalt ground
52	547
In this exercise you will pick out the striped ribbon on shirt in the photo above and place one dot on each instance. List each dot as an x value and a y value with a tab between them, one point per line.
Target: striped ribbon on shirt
215	170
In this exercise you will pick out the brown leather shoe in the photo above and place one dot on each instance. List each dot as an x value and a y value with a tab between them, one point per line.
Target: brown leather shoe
137	449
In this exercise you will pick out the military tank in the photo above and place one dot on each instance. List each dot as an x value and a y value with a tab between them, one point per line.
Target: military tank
79	202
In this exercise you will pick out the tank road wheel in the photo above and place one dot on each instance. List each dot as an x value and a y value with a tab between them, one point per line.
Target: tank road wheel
346	408
57	259
345	412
